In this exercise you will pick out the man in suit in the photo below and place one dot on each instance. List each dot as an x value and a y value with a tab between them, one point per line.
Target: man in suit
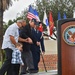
35	49
26	54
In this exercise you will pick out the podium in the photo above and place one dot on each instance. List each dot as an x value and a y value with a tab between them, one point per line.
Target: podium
66	46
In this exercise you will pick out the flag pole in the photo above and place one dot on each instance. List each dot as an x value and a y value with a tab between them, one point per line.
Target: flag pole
43	60
74	13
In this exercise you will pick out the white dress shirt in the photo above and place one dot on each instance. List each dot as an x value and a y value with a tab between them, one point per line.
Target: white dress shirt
11	30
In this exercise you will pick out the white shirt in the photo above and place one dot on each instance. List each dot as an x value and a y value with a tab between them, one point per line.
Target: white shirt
11	30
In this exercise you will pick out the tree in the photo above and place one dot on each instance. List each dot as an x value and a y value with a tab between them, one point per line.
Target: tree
4	4
1	22
66	6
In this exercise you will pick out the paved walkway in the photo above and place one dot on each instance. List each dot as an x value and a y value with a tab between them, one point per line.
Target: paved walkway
53	72
50	46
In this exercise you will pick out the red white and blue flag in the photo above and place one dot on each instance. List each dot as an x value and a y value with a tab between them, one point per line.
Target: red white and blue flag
37	15
32	13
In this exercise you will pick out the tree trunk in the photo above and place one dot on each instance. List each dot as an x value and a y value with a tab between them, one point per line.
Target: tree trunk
1	28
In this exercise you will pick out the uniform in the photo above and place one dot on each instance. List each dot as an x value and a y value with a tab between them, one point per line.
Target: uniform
36	49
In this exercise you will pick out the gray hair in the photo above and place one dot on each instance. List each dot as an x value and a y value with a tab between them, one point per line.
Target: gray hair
20	20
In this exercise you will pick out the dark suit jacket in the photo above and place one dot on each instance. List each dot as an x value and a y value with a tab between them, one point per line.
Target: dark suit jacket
38	37
25	32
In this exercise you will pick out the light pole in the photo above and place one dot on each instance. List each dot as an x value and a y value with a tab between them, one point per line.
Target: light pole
74	13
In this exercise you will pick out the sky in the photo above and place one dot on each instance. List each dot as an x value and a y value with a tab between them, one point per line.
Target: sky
17	7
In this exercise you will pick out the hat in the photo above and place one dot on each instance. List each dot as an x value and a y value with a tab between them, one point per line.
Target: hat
40	22
37	23
34	20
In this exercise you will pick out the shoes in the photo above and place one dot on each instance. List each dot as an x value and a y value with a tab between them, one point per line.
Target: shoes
22	73
32	71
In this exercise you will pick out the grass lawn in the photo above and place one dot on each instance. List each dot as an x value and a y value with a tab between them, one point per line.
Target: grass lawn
0	63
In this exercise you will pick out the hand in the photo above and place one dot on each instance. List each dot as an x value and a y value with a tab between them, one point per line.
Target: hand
43	52
38	43
22	65
30	40
25	40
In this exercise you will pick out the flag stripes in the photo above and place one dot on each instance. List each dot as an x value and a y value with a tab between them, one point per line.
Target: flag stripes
30	15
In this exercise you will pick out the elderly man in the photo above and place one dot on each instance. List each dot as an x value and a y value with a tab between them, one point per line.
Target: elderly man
10	39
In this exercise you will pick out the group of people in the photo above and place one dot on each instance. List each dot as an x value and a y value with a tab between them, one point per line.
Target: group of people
22	43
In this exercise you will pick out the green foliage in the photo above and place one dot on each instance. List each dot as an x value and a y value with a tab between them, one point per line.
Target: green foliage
66	6
10	22
0	64
55	5
5	26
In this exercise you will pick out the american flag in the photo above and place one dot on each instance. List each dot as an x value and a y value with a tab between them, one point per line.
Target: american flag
32	13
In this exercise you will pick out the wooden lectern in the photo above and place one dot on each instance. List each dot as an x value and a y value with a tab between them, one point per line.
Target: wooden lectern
66	46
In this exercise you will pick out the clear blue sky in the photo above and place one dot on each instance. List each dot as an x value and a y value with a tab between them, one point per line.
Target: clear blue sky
17	7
